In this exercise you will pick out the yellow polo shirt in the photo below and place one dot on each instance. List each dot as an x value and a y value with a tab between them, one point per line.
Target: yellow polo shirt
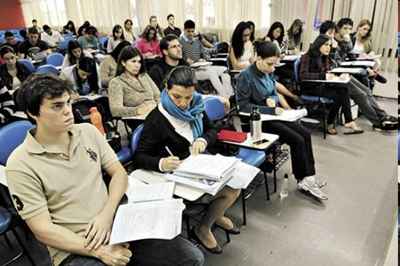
70	188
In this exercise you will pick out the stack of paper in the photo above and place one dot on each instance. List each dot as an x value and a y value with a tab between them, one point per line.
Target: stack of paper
151	213
206	166
286	115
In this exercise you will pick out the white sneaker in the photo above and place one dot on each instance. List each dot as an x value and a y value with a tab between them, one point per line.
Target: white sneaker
310	185
320	182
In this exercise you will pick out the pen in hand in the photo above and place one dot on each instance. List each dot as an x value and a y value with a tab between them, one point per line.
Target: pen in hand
169	164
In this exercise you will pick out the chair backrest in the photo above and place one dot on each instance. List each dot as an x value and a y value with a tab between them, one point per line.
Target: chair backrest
214	108
103	41
136	137
64	44
28	64
296	69
47	69
55	59
11	136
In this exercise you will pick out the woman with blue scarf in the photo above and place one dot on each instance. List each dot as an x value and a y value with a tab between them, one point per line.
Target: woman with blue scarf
180	124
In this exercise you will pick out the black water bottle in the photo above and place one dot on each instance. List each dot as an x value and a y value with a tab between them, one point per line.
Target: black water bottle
255	124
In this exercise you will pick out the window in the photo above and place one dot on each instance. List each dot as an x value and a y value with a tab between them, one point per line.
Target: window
189	10
54	12
209	13
133	11
265	13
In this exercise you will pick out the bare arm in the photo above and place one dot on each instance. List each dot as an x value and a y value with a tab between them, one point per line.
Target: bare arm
284	91
99	229
283	102
57	236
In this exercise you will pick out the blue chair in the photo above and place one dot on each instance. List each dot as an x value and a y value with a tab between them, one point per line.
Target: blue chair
125	155
312	99
55	59
47	69
28	64
63	46
103	42
135	138
11	136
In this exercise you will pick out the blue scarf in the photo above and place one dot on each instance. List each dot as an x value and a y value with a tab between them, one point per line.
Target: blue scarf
193	114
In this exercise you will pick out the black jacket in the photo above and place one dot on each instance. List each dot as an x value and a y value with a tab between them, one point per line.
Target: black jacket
159	133
22	74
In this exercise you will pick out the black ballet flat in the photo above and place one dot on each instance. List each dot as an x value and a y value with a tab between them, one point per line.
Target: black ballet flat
215	250
233	231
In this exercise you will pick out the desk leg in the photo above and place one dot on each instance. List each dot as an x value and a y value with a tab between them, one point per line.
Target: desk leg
244	208
274	164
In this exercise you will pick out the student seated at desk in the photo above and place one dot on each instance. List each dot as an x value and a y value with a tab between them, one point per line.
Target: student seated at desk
148	43
132	92
256	86
241	54
69	28
357	91
362	46
74	53
89	40
293	37
108	67
52	37
83	76
314	66
115	39
7	105
33	48
172	57
276	34
194	51
13	73
55	179
180	124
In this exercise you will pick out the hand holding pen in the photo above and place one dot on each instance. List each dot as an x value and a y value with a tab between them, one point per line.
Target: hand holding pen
169	164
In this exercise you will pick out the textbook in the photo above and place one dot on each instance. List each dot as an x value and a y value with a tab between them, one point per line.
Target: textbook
207	166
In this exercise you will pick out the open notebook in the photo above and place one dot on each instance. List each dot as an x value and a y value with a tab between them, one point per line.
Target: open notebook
151	213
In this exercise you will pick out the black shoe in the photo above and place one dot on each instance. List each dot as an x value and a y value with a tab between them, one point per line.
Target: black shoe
380	78
390	118
233	231
215	250
384	126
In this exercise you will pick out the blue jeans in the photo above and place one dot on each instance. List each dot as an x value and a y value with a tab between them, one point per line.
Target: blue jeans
151	252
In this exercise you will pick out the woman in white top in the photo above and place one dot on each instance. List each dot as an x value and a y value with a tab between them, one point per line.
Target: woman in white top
115	39
362	46
128	31
241	54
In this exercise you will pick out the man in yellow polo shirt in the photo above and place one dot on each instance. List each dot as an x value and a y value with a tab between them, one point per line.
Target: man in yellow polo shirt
56	183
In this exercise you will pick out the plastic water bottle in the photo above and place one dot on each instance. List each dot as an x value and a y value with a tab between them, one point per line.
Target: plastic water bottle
255	124
284	189
96	120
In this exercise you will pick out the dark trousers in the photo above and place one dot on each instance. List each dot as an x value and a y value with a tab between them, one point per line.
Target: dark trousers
299	140
340	97
151	252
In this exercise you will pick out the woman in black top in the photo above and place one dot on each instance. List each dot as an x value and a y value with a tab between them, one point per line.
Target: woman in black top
180	123
13	73
314	65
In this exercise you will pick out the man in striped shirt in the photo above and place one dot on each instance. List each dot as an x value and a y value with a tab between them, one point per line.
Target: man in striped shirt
7	106
194	51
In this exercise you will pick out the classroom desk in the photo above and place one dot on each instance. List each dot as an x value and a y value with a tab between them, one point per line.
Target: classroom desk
290	58
182	191
265	146
358	63
349	70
